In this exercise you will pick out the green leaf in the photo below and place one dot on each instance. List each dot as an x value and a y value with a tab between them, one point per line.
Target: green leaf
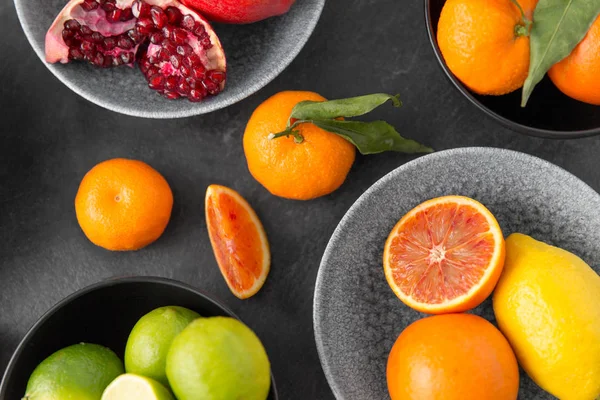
558	26
371	137
351	107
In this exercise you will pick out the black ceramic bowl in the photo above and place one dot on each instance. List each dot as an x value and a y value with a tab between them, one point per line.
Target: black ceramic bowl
103	313
549	113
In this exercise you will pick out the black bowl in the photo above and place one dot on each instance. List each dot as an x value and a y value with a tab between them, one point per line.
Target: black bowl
549	113
103	313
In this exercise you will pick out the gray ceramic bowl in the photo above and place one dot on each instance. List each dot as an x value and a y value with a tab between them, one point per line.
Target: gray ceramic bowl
357	317
256	54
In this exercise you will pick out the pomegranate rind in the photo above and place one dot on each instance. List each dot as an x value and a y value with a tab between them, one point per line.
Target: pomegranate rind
56	49
478	292
224	243
239	12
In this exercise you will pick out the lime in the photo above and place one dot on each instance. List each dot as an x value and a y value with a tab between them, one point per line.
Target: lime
218	358
78	372
150	339
132	386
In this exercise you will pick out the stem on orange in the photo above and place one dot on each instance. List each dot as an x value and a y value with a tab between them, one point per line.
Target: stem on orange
524	28
298	138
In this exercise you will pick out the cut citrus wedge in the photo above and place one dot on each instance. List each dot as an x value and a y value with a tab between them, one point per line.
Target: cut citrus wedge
238	241
131	386
445	255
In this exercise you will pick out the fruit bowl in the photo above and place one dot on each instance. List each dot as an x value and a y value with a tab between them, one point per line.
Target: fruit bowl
549	113
256	54
103	313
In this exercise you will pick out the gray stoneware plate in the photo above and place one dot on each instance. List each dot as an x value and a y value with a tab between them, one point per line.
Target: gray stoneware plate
357	317
256	54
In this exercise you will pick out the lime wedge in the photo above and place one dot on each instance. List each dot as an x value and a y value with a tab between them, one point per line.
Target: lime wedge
131	386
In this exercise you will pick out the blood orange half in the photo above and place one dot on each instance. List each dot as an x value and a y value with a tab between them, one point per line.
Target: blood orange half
445	255
238	241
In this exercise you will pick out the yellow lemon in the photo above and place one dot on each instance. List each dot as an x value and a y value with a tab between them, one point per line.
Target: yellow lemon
547	303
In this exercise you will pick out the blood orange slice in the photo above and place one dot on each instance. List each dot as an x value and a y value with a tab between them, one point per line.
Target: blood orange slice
445	255
238	241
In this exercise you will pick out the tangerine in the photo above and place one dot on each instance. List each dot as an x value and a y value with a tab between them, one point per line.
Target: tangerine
302	171
577	74
123	204
486	43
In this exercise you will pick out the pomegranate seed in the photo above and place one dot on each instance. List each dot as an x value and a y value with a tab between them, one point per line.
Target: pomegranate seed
85	30
144	10
169	47
75	54
175	61
171	82
185	70
87	47
216	76
163	55
193	83
108	61
126	14
156	82
199	30
173	15
135	36
206	43
198	71
109	5
211	87
183	88
98	59
67	34
127	57
179	36
109	43
117	61
114	15
89	5
156	38
195	95
144	26
158	17
96	37
72	25
151	71
184	49
168	31
125	42
154	59
172	95
188	22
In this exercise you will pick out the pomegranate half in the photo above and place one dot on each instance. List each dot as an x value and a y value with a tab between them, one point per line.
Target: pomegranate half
178	51
239	11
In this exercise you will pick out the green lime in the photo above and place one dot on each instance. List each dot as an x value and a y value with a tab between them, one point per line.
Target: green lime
78	372
136	387
150	339
218	358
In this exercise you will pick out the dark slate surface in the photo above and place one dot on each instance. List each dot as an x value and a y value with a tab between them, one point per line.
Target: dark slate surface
50	137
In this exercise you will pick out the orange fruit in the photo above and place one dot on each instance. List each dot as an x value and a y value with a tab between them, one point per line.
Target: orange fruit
486	44
238	240
123	204
445	255
302	171
452	357
577	75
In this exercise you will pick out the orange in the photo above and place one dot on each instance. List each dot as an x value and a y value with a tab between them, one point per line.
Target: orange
486	43
577	75
452	357
445	255
302	171
238	240
123	204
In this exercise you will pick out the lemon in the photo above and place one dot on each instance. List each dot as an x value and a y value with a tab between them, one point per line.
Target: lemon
132	386
547	303
218	358
78	372
150	339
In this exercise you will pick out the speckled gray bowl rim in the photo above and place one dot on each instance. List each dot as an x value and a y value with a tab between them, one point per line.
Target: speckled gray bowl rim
585	190
270	74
